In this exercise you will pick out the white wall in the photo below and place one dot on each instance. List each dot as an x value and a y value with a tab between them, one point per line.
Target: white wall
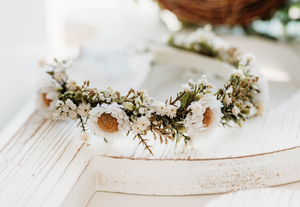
22	45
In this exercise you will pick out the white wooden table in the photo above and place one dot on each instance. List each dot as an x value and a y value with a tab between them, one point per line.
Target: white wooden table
43	164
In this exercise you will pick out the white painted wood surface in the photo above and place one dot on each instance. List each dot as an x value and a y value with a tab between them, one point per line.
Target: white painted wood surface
44	172
258	198
44	164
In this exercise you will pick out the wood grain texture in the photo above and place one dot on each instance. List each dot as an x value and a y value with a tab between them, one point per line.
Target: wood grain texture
45	164
258	198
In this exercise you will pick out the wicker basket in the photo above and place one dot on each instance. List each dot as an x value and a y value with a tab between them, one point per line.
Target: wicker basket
221	11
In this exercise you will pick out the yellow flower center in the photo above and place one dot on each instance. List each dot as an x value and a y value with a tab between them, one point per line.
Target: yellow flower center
108	123
207	117
45	100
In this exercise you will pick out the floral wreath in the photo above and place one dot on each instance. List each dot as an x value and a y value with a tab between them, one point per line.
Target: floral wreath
194	114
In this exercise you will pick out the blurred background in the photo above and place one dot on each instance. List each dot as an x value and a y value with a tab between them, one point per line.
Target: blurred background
111	38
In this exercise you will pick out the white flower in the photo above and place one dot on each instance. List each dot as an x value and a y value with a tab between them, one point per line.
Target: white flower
205	118
142	110
72	115
65	110
70	104
117	118
186	87
61	66
236	110
146	98
248	59
108	92
143	122
239	73
47	95
101	96
64	116
151	100
191	82
108	100
171	111
135	129
83	109
84	137
72	83
227	100
114	95
204	81
148	114
59	103
59	76
160	108
56	115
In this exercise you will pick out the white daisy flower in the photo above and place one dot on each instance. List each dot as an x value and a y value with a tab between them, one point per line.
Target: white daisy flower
83	109
160	108
109	121
84	137
227	100
171	111
47	95
135	129
143	122
235	110
186	87
72	83
204	119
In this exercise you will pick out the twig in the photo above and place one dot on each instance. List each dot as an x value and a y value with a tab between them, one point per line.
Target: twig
145	144
178	97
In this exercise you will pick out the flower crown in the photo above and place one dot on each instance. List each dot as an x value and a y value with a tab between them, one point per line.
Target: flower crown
193	114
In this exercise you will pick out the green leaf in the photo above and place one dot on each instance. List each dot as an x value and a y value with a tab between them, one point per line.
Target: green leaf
245	111
78	96
121	99
185	100
50	73
59	89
